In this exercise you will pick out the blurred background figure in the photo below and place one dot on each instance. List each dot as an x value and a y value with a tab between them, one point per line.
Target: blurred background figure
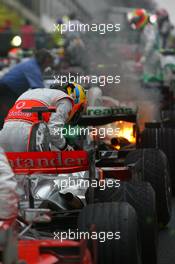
28	36
149	42
139	20
41	39
72	24
58	36
23	76
95	96
6	35
164	27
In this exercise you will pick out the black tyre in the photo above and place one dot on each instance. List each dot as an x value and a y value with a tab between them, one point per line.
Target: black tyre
153	165
163	139
113	217
142	197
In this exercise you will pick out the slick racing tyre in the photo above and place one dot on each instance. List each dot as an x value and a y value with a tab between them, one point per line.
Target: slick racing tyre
152	164
163	139
141	197
109	219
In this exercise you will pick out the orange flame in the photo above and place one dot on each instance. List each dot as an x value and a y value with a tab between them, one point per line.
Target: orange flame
126	131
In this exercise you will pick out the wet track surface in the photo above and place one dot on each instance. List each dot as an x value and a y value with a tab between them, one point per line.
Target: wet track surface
167	242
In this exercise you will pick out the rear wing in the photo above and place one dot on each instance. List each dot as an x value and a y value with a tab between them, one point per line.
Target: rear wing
54	162
97	116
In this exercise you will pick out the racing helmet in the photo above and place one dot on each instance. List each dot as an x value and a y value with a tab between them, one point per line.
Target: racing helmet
138	19
77	92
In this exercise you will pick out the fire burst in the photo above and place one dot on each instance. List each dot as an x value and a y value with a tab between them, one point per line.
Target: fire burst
126	131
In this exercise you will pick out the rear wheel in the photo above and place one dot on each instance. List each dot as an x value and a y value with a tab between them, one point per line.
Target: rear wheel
109	219
163	139
152	164
141	196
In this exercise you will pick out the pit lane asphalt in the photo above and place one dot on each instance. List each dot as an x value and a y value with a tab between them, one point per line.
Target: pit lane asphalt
166	249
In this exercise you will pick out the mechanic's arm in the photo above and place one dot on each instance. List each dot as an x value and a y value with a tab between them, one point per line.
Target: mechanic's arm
8	189
57	122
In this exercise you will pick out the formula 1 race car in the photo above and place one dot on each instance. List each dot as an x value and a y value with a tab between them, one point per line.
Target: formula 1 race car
113	200
119	186
117	236
53	211
150	163
161	134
